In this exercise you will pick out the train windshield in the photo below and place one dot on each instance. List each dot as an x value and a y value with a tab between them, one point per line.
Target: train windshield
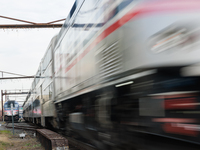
16	105
11	102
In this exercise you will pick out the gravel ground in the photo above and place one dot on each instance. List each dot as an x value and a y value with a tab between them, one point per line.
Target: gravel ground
2	127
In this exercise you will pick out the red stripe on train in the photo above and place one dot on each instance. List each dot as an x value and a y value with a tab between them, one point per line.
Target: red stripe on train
174	120
182	103
176	128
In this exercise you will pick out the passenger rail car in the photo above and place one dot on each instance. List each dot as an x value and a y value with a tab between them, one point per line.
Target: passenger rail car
8	112
124	74
38	107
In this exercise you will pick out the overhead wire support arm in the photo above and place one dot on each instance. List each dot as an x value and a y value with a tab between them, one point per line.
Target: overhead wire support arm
17	19
30	24
56	21
12	73
22	26
25	77
15	93
22	76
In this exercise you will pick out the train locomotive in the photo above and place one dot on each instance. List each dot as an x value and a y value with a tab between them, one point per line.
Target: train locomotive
8	112
122	74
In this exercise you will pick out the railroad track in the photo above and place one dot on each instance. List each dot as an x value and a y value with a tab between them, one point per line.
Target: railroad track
24	126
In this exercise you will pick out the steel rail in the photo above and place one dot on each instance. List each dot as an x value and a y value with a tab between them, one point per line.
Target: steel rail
23	128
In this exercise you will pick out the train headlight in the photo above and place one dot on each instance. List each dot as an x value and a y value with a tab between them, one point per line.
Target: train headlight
192	70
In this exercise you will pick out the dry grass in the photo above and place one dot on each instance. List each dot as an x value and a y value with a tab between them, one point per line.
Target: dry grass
13	142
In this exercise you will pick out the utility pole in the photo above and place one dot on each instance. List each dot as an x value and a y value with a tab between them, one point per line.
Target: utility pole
2	103
5	96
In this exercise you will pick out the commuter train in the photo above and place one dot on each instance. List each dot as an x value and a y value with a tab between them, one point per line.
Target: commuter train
123	74
8	112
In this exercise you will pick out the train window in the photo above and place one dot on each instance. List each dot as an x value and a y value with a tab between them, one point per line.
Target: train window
36	103
11	102
29	108
29	94
47	59
38	74
81	31
5	105
86	23
123	4
50	91
33	84
73	9
112	8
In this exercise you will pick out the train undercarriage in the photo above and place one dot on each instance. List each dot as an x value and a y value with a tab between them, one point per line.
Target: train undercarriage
9	118
126	115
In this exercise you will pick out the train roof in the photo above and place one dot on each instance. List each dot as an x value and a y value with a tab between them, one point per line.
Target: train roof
11	101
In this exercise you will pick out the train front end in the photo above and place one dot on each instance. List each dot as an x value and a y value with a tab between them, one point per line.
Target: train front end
8	112
165	41
137	83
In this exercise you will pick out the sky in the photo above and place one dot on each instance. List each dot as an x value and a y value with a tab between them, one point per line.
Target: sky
21	50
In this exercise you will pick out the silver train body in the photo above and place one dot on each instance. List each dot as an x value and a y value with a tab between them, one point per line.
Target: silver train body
39	102
138	36
109	60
